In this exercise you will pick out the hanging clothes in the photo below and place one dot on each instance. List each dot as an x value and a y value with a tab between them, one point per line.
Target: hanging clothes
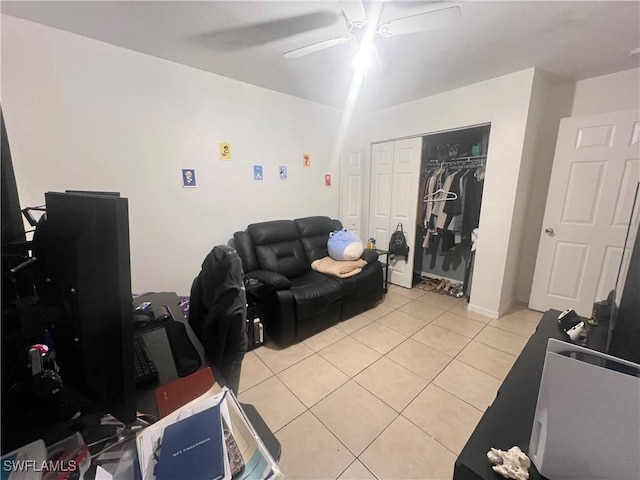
433	181
455	208
451	204
445	195
449	201
473	201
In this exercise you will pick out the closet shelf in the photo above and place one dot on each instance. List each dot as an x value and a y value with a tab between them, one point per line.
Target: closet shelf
457	159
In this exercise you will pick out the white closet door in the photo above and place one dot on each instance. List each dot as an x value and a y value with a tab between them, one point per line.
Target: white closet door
395	174
380	192
351	190
407	156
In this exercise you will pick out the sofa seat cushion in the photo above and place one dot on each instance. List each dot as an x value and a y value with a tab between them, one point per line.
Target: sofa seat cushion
362	291
315	293
367	279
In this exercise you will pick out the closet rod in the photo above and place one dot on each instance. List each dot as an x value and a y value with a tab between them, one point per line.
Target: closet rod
447	161
461	161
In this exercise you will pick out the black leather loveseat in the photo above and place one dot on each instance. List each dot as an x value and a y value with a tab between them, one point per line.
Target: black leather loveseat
299	301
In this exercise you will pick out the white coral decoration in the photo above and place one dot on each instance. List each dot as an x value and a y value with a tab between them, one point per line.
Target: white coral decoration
510	464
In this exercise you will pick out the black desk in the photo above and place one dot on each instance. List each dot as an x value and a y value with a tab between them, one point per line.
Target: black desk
158	345
508	421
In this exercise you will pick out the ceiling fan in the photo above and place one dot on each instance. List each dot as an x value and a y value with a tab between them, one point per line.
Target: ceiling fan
358	23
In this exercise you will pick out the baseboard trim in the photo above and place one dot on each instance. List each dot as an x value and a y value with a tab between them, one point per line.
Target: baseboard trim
483	311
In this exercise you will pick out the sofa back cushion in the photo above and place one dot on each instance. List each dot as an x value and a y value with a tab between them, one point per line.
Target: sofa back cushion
244	247
278	247
314	234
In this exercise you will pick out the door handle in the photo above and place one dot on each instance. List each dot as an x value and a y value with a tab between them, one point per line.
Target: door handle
549	231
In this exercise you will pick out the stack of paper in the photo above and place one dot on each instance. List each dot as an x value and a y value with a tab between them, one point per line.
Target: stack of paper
194	448
258	462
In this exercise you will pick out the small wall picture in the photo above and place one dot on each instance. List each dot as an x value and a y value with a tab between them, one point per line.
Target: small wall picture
327	180
306	160
225	151
188	177
257	172
282	170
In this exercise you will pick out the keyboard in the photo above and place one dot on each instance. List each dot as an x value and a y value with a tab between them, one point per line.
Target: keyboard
144	368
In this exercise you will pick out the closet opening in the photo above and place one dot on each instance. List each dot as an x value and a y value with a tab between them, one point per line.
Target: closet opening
448	212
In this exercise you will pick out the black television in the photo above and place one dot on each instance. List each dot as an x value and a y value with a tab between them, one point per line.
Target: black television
624	324
83	268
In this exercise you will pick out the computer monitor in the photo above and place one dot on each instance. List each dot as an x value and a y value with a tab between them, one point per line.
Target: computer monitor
82	247
94	192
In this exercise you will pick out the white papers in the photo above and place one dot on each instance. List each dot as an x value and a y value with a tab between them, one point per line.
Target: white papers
102	474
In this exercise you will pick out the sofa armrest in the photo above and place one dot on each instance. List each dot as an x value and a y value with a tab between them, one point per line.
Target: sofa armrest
369	255
272	280
280	318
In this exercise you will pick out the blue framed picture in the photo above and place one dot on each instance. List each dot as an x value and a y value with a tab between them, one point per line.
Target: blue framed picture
257	172
188	177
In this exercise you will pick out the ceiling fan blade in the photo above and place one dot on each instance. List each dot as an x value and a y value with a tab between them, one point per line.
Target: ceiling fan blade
245	36
353	9
421	22
314	47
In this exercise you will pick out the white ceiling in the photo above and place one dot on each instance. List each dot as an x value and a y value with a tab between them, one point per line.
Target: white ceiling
245	40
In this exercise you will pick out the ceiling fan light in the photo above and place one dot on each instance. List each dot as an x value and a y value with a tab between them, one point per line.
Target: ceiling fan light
362	62
385	30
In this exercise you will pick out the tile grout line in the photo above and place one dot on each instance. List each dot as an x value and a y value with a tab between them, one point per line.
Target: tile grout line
429	382
349	376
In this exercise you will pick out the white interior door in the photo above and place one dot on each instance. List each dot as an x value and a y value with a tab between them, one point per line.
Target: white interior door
351	190
395	173
593	182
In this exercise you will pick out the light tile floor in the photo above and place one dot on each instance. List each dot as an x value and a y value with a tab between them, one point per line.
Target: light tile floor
393	393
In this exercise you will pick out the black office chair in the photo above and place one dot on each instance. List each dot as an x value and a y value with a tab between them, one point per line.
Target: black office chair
218	312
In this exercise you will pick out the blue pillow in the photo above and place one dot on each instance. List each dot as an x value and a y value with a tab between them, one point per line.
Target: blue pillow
344	245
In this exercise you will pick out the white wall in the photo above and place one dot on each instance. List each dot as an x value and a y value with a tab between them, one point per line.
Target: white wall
503	102
522	162
82	114
608	93
548	105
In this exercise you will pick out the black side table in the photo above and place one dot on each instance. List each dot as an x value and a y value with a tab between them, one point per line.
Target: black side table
381	252
255	312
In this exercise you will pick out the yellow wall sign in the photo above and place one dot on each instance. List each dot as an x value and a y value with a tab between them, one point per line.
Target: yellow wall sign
306	160
225	151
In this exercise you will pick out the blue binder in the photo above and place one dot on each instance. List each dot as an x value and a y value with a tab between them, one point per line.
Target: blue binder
193	448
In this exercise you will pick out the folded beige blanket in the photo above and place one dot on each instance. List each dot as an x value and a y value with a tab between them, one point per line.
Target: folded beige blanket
338	268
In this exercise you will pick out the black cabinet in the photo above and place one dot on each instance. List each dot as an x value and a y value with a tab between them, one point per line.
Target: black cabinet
255	327
509	419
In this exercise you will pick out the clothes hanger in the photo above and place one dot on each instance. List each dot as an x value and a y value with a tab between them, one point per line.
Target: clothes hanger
430	197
